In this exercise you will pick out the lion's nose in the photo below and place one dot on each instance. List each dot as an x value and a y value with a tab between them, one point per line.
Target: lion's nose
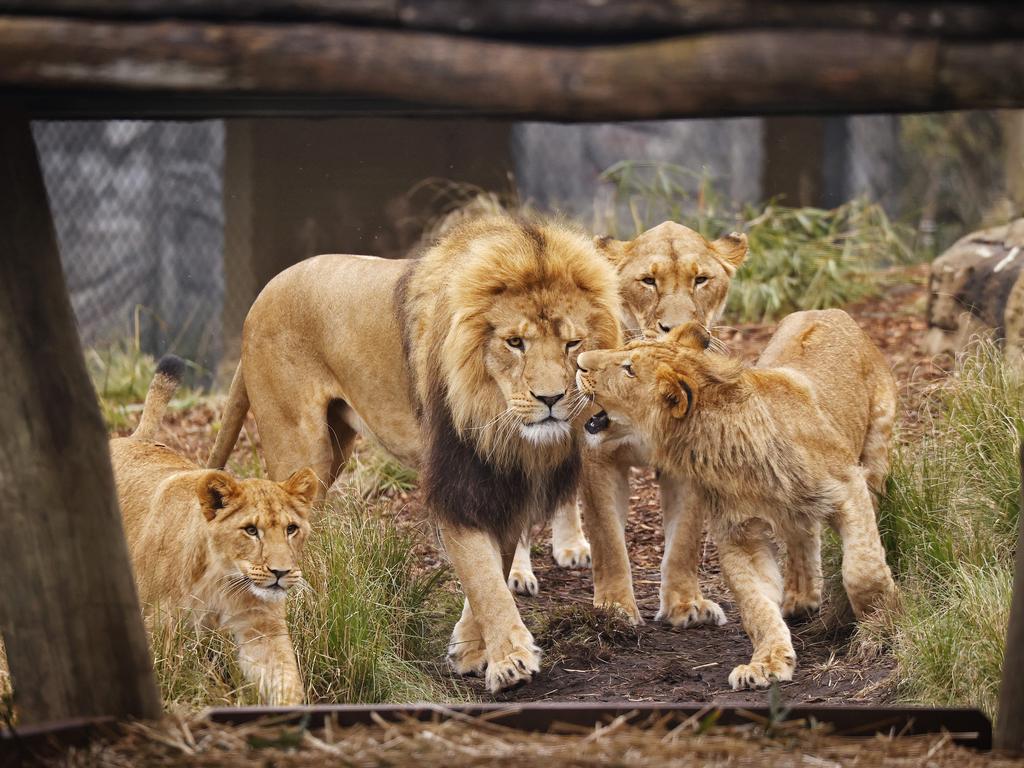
549	400
664	327
281	574
580	368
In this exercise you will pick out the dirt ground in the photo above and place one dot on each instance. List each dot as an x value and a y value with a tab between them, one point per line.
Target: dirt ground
656	662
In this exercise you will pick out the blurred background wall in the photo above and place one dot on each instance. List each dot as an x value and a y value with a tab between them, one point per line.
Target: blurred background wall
169	230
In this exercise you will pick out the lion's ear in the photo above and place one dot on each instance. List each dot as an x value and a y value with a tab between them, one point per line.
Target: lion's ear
675	391
732	248
614	250
691	335
216	489
302	484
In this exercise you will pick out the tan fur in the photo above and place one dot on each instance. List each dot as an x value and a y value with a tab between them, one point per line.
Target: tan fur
323	358
191	553
674	256
777	449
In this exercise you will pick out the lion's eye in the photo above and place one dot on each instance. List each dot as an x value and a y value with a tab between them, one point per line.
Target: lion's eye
700	279
515	342
648	280
252	530
293	529
627	368
570	346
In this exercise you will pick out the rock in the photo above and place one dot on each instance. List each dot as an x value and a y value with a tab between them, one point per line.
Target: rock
975	290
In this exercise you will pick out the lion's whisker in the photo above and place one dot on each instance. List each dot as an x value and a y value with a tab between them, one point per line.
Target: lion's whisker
492	421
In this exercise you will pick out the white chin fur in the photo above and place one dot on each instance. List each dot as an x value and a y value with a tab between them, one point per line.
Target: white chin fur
547	432
268	594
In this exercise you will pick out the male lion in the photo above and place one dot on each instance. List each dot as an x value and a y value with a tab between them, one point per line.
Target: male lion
461	363
800	439
667	276
223	550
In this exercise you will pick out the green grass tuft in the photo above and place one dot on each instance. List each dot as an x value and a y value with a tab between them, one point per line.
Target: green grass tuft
949	520
373	627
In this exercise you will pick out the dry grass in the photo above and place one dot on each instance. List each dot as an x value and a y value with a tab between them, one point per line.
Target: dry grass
582	632
460	741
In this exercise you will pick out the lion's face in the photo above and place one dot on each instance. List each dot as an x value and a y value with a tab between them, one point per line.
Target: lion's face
671	275
642	384
524	300
258	529
531	356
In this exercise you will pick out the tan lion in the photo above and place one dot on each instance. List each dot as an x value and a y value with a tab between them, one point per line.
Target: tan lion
460	363
776	449
224	551
667	276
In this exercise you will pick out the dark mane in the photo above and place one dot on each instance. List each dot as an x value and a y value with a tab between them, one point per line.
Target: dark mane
463	490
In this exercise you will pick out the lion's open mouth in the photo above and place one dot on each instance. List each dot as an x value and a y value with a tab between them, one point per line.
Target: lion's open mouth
597	423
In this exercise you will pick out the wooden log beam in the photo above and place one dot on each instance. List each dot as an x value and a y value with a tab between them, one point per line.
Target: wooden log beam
69	614
756	72
1009	735
579	18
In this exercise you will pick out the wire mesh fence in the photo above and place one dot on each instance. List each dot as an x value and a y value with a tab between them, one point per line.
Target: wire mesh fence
138	209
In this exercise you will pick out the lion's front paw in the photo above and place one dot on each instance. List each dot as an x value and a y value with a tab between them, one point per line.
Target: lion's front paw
575	554
690	613
466	655
758	674
287	693
515	668
799	606
523	582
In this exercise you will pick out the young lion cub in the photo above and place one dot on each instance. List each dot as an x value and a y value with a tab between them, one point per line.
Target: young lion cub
776	449
224	550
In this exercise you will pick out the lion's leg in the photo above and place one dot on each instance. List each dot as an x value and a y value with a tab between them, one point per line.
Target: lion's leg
874	456
802	594
267	659
467	654
569	545
753	576
682	604
605	497
512	655
520	577
294	438
342	438
866	576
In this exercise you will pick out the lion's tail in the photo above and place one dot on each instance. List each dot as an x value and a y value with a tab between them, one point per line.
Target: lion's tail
231	422
165	382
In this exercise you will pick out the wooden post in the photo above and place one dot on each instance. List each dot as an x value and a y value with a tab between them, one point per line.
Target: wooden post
1009	735
69	612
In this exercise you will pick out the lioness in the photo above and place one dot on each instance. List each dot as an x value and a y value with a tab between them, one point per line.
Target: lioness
460	363
669	275
224	550
799	439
